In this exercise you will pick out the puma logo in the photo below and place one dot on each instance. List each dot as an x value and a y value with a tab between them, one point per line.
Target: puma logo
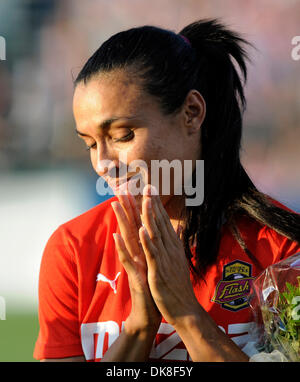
112	283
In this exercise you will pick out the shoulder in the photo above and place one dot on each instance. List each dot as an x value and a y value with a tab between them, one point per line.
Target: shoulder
102	213
280	205
93	221
251	227
87	229
268	244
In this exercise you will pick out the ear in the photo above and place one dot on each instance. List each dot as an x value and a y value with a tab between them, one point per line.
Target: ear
194	111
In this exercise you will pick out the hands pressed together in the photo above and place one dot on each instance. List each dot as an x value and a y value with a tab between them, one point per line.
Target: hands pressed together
154	259
158	272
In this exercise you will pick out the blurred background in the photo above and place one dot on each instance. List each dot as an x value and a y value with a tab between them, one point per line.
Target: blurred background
45	174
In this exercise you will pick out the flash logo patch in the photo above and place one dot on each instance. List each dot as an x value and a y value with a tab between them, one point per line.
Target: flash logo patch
231	292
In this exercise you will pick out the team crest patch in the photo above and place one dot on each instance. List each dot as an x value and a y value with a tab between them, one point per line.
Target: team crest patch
231	292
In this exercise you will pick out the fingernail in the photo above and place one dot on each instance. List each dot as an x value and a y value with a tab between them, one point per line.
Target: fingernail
153	190
146	232
149	190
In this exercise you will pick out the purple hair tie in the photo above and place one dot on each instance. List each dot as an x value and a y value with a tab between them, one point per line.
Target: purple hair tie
186	40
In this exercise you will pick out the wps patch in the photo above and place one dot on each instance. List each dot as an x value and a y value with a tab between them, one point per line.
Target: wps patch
231	292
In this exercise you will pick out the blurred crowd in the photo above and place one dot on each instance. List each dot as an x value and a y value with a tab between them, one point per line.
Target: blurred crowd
47	42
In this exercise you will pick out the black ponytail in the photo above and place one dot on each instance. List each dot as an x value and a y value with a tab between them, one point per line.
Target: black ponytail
208	57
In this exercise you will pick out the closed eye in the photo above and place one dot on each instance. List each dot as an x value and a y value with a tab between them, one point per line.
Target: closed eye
88	148
126	138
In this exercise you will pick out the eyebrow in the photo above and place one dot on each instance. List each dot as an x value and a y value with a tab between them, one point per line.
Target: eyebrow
107	123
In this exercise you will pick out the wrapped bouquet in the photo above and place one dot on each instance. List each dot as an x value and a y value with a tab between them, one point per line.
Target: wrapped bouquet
275	300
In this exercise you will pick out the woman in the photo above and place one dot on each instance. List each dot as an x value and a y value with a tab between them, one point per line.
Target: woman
176	286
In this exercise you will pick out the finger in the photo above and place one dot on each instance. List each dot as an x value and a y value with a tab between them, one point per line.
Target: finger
124	256
160	221
131	240
165	217
129	205
125	203
135	210
149	222
148	247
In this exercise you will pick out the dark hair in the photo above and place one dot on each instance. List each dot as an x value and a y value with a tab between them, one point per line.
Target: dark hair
211	59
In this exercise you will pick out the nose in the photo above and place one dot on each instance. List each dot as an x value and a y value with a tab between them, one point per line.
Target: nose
105	160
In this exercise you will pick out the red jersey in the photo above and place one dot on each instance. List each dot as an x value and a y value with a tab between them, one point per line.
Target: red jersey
84	296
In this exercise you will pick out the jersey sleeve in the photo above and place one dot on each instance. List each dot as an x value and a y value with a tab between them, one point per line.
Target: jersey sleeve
58	300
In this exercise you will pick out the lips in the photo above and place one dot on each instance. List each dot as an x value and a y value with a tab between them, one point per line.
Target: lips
121	184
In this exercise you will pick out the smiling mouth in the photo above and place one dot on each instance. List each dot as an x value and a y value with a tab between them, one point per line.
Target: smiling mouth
119	184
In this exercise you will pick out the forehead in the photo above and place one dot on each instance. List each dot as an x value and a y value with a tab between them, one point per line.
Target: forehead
110	94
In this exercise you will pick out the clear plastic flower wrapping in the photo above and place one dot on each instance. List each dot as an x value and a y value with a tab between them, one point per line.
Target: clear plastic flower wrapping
275	301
